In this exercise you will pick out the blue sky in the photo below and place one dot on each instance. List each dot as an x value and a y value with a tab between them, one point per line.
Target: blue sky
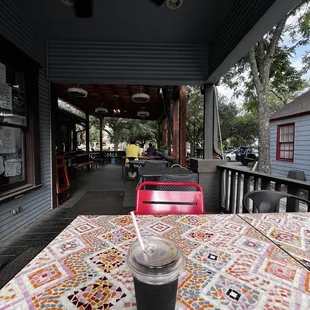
297	59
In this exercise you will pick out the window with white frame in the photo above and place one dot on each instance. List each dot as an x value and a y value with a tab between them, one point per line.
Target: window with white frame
285	142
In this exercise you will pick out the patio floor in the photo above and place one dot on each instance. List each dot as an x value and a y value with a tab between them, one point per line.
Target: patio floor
26	244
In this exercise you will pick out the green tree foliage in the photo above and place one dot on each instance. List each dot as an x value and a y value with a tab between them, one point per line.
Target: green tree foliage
124	130
300	31
194	117
94	130
237	128
228	112
245	131
142	132
266	79
285	80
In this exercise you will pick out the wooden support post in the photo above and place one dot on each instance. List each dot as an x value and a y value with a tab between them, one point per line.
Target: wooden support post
54	104
208	121
164	131
169	142
176	130
182	126
100	133
167	93
87	132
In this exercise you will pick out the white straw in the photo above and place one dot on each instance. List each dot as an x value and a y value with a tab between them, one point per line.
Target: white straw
137	230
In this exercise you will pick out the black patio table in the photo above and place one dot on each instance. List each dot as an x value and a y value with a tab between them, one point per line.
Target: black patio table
152	172
141	162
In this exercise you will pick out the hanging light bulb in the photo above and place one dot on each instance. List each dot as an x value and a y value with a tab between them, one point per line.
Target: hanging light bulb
116	110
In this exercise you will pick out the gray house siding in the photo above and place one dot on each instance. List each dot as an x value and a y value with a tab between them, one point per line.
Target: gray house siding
301	147
20	32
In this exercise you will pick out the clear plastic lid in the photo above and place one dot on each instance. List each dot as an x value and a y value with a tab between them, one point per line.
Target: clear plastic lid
162	261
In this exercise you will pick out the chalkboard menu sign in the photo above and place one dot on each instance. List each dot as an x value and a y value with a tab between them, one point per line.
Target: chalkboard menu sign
5	97
18	103
16	113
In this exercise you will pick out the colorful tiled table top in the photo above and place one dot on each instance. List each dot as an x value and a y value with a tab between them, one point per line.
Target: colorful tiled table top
290	231
230	265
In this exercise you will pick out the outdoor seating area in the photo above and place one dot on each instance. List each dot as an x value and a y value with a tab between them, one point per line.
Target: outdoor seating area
214	246
115	190
176	197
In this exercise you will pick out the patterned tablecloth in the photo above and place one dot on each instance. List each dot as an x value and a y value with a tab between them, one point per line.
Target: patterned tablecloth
290	231
230	265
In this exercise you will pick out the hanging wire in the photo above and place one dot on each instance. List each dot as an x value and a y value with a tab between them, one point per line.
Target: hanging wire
218	120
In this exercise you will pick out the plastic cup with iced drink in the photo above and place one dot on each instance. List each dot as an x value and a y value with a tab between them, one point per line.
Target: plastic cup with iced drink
155	272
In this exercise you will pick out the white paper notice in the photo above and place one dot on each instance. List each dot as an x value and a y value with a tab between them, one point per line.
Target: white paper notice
2	74
5	97
7	141
12	167
1	165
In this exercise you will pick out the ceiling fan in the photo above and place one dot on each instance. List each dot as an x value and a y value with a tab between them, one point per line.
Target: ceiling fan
84	8
101	109
77	91
140	96
171	4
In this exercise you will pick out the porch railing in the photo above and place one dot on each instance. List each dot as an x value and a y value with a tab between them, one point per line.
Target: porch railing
235	183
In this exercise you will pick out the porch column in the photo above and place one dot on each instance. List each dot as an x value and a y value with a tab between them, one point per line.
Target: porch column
167	93
182	126
100	133
208	121
176	129
164	132
169	141
87	132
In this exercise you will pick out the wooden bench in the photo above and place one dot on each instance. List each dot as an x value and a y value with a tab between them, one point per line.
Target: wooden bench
89	164
85	164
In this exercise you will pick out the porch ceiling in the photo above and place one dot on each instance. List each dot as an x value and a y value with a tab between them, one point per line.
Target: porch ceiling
128	21
99	94
195	44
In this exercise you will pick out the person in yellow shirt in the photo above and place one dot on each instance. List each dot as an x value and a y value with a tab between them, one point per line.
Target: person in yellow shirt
132	150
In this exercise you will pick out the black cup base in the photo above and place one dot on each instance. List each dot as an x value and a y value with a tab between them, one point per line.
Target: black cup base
156	297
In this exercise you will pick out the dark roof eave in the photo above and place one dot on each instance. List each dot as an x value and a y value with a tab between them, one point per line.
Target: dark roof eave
289	116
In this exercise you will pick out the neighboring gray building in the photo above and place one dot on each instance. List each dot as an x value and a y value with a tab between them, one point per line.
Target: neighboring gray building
290	137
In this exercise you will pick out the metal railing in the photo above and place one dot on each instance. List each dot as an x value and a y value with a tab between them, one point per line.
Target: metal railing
235	183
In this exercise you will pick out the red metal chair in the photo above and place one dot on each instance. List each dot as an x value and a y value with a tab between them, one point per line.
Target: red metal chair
155	202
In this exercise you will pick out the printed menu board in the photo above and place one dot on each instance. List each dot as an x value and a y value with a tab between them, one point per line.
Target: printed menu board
7	141
12	167
5	97
18	103
2	73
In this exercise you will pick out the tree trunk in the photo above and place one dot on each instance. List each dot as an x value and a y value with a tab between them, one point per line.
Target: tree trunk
263	123
192	149
261	58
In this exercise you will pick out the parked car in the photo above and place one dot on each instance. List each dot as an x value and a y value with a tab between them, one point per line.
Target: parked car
229	151
231	156
241	153
251	155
